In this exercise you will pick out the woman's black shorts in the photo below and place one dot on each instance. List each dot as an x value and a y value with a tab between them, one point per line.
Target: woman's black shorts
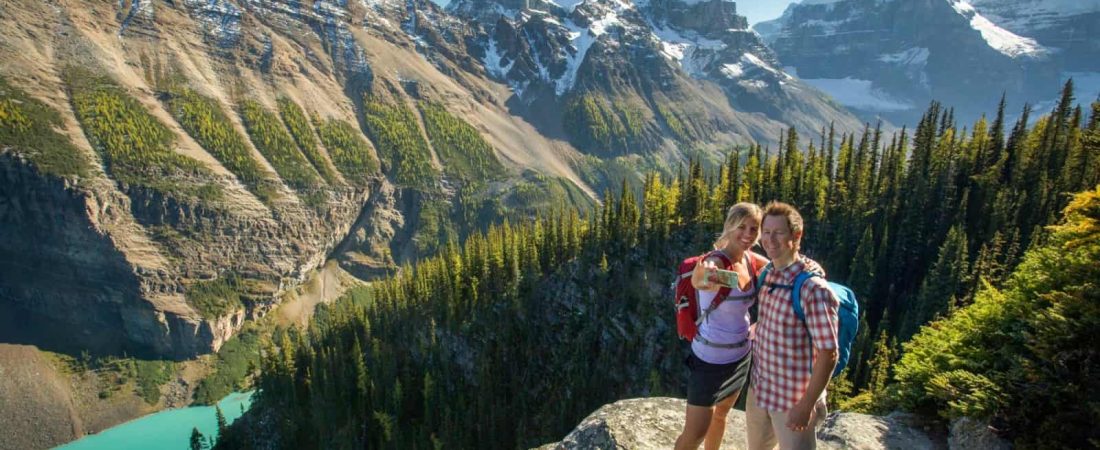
710	383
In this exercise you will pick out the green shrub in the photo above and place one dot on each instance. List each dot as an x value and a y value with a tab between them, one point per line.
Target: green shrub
296	122
232	365
218	297
273	141
1025	355
600	127
137	149
349	151
151	375
463	152
204	120
28	126
397	137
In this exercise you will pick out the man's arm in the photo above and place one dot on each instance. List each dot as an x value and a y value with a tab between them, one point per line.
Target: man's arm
821	322
799	417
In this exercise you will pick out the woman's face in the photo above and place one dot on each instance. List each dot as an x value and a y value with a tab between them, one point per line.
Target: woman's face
746	234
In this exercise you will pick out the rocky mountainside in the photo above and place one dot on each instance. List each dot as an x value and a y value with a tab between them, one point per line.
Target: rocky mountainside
625	76
654	423
169	169
890	58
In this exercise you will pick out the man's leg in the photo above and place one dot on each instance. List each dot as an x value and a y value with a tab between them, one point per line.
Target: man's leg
758	425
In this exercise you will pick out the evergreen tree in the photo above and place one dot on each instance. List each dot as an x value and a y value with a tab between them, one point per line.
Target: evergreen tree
220	417
197	441
944	284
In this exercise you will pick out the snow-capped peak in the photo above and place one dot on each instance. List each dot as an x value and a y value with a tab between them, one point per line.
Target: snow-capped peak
1000	39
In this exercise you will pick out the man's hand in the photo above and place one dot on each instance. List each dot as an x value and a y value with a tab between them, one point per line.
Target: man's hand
801	416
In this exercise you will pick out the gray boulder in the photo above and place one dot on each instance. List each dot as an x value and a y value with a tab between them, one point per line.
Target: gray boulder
967	433
654	423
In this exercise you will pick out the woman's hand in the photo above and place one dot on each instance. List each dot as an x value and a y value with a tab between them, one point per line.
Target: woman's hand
702	278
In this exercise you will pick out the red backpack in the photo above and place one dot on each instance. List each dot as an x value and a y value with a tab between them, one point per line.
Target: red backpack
688	314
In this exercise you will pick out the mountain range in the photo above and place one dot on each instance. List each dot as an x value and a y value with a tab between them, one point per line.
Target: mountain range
889	59
234	146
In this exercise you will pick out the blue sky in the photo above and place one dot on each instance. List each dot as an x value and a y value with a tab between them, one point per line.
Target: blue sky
761	10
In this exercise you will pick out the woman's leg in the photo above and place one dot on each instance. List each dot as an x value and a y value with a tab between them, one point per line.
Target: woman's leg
695	427
717	426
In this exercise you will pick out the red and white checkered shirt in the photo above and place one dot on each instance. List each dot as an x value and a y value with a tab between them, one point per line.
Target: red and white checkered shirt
782	353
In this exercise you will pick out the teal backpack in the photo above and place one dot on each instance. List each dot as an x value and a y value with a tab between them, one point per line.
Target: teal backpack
847	313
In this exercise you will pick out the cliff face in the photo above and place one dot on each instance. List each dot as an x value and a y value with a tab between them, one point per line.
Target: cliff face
225	149
81	267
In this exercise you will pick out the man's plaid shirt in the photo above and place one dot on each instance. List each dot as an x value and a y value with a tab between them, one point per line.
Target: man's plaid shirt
782	353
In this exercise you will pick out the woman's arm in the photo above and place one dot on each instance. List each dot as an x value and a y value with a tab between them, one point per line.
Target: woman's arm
701	277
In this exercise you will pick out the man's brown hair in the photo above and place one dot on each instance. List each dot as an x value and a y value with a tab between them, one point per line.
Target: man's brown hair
794	219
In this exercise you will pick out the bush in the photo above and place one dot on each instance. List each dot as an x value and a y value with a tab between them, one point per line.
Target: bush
151	375
296	122
204	120
1025	356
28	125
273	141
398	139
464	153
216	298
349	151
232	366
137	148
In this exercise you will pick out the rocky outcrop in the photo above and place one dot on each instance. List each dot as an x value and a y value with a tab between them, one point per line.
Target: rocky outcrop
655	423
969	433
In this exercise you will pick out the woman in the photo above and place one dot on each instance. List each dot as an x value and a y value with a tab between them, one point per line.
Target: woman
721	352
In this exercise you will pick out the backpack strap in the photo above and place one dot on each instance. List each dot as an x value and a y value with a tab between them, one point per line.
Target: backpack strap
796	294
796	289
763	276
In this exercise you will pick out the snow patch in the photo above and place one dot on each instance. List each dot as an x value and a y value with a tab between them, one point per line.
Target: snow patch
1000	39
750	58
916	56
568	5
492	61
859	94
752	84
747	62
1032	15
582	39
693	2
692	52
732	71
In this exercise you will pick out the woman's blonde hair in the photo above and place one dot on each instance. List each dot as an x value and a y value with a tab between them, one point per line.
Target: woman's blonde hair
734	217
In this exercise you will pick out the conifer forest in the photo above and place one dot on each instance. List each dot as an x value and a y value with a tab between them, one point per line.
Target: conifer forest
972	248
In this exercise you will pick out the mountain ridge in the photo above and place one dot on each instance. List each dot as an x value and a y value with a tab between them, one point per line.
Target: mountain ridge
962	53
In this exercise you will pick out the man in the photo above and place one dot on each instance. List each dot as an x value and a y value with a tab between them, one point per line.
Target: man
793	360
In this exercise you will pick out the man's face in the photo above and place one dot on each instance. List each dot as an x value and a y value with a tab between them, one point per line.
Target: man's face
777	239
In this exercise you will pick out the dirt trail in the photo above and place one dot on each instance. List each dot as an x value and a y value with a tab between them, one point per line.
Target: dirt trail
327	284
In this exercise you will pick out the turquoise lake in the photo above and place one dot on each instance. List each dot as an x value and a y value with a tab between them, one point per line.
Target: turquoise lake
165	430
